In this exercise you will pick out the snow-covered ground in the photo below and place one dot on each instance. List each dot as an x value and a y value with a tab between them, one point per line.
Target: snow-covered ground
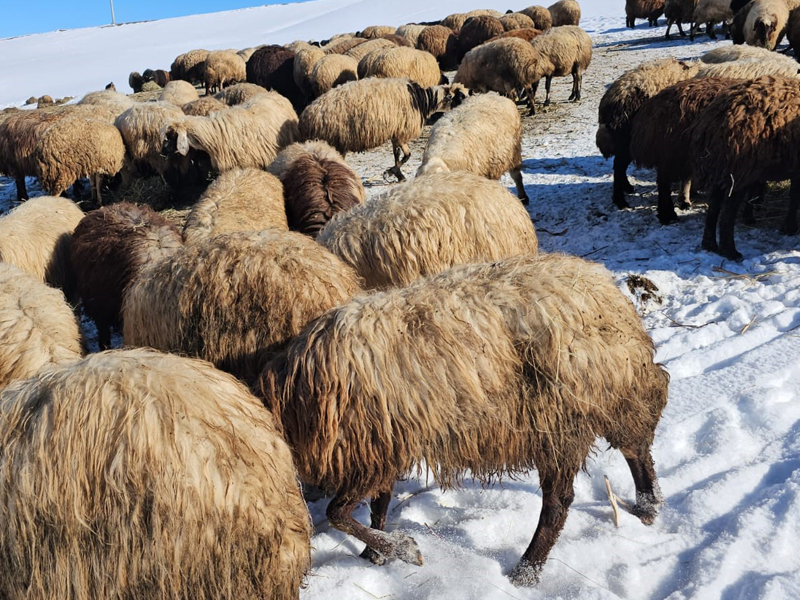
728	447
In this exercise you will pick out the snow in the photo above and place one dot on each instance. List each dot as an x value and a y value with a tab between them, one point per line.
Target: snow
727	450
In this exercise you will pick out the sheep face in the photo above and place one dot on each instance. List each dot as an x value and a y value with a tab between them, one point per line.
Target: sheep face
174	140
460	93
764	32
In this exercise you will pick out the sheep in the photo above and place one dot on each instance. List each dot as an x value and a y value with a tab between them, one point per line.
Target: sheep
397	40
135	81
376	31
317	183
178	92
140	474
272	67
619	106
750	69
679	12
331	71
710	12
246	53
235	298
162	77
361	50
427	225
476	31
222	69
512	21
189	66
542	20
37	327
35	237
302	67
746	54
793	31
454	22
411	32
141	127
739	21
442	43
565	12
643	9
344	45
202	107
746	136
239	93
402	63
524	34
76	147
19	134
108	97
562	51
766	23
237	200
482	135
467	372
361	115
297	45
246	135
149	88
660	136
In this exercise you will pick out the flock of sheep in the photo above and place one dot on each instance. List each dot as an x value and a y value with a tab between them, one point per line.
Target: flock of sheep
291	328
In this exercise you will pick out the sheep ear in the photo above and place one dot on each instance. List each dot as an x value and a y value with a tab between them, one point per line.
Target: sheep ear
183	143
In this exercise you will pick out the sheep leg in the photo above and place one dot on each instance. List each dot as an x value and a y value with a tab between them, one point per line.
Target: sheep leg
790	223
727	225
710	229
395	170
22	191
669	26
103	334
557	496
516	175
621	183
378	509
710	30
685	198
532	97
680	29
390	545
97	183
691	30
666	210
577	83
648	494
547	81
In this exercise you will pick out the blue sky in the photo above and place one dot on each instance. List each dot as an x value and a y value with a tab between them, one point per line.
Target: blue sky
19	18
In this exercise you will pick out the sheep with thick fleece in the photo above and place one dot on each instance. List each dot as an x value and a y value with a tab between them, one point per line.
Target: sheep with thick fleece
35	237
428	225
725	54
361	50
235	298
178	93
239	93
135	474
222	69
542	19
643	9
679	12
477	30
285	158
711	12
503	66
766	23
141	127
343	45
485	369
512	21
442	43
751	69
483	135
411	32
38	328
527	35
237	200
19	134
272	67
361	115
202	107
304	62
402	63
376	31
246	135
560	51
565	12
189	66
330	71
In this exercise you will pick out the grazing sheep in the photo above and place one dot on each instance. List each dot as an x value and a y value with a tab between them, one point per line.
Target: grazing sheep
272	67
619	106
747	135
361	115
467	372
739	21
376	31
442	43
660	136
482	135
330	71
162	77
37	327
361	50
108	97
766	23
202	107
560	51
503	66
454	22
476	31
178	93
411	32
246	135
750	69
141	127
679	12
565	12
237	200
542	20
744	54
109	247
397	40
344	45
711	12
135	81
512	21
137	474
223	68
19	133
35	237
318	184
402	63
643	9
524	34
239	93
302	67
428	225
236	298
76	147
189	66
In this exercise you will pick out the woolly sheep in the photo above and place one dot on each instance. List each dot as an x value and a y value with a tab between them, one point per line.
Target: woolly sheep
35	237
542	20
272	67
141	127
711	12
237	200
679	12
524	34
296	46
766	23
107	98
236	298
246	135
563	50
397	40
361	50
750	69
376	31
302	67
476	31
466	372
726	54
643	9
428	225
246	53
454	22
330	71
442	43
222	69
739	21
402	63
483	135
203	107
239	93
139	474
747	135
565	12
512	21
411	32
189	66
135	81
317	148
619	106
343	45
361	115
178	93
37	327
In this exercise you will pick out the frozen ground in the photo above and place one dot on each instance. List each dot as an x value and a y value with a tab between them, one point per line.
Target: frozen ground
728	447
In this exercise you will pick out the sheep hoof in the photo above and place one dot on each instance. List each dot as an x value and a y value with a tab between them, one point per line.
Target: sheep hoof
525	200
525	574
710	245
627	187
731	254
668	219
788	228
394	171
621	203
405	548
546	102
374	557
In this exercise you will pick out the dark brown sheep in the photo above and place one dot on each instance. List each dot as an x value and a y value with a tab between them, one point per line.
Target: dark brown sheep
739	19
108	248
677	13
442	43
523	34
272	67
478	30
643	9
397	39
135	81
660	139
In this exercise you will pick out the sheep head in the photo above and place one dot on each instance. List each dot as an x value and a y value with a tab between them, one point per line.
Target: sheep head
764	32
175	139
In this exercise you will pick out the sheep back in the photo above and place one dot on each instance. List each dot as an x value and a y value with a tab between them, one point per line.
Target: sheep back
476	31
401	63
512	21
502	66
178	93
239	93
542	20
189	66
141	127
644	9
361	50
330	71
304	62
222	68
411	32
565	12
203	107
560	50
272	67
442	43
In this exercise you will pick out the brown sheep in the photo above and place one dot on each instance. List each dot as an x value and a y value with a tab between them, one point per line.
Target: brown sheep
679	12
478	30
239	93
344	45
236	298
524	34
202	107
189	66
272	67
442	43
542	20
376	31
643	9
223	68
565	12
402	63
512	21
484	370
109	247
143	475
360	51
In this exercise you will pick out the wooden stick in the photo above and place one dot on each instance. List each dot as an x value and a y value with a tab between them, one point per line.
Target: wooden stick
613	499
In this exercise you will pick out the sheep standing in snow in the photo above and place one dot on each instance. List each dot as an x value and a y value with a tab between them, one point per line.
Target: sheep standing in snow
402	63
766	23
643	9
477	30
679	12
512	21
542	19
466	372
330	71
272	67
442	43
565	12
561	51
189	66
141	127
711	12
222	69
155	476
483	135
